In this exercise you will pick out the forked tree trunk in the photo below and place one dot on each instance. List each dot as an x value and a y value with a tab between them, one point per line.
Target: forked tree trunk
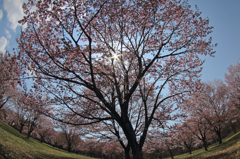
131	136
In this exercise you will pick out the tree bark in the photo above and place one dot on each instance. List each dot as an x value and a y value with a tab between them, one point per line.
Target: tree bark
219	137
234	128
188	147
137	153
127	155
128	130
170	153
205	145
21	127
30	130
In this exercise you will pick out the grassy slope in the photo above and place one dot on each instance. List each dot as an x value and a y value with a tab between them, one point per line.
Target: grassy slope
14	145
229	149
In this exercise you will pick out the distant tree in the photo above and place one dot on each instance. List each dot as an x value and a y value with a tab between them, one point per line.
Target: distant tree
9	79
91	147
211	106
200	128
11	119
21	112
32	104
185	137
44	129
27	106
194	121
58	140
99	59
170	142
71	136
112	149
154	147
31	123
44	134
233	80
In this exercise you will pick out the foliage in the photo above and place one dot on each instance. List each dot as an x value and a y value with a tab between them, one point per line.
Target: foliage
233	81
107	62
9	79
210	109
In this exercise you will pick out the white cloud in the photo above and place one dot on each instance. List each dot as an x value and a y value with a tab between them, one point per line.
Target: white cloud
3	44
1	14
14	11
8	34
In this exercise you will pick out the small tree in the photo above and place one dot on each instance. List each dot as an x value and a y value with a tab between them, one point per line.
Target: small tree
186	137
212	106
199	127
44	129
71	136
194	122
233	81
10	73
21	111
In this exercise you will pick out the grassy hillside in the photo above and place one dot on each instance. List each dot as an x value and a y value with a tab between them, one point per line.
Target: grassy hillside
14	145
229	149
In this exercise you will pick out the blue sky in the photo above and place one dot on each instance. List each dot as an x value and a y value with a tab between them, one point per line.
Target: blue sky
224	15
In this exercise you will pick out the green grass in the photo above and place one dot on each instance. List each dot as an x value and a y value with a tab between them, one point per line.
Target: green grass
229	149
14	145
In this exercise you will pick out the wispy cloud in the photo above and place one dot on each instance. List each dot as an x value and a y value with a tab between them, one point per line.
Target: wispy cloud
8	34
14	11
1	14
3	44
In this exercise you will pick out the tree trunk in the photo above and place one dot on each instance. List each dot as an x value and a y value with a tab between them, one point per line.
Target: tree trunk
127	155
21	128
219	137
188	147
69	147
205	145
30	130
170	153
137	153
234	128
129	132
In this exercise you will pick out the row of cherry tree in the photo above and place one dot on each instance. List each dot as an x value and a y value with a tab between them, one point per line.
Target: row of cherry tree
21	112
22	109
208	115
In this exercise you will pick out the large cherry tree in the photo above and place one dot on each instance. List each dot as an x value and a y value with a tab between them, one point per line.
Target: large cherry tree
108	63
